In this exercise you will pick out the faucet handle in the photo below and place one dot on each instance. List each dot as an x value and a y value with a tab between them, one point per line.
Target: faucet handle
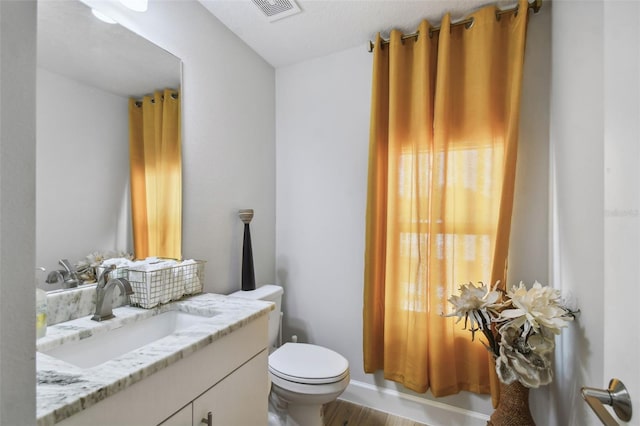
69	274
67	266
103	274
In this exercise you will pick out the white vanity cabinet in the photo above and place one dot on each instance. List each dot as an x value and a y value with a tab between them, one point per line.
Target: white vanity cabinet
227	378
183	417
239	399
230	402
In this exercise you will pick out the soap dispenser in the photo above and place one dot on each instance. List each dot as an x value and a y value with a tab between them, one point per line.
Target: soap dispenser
41	310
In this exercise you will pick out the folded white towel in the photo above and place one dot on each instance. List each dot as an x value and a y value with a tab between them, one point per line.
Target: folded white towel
118	262
155	265
190	276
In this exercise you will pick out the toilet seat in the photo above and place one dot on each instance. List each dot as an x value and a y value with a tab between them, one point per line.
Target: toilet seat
308	364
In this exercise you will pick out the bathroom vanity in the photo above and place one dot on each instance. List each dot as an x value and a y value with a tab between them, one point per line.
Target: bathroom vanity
203	358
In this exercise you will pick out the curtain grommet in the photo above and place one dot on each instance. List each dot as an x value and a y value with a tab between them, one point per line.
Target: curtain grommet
469	24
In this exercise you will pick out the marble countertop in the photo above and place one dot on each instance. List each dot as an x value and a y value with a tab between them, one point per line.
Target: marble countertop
63	389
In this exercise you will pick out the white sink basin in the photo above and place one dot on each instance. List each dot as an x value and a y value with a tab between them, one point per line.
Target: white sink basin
102	347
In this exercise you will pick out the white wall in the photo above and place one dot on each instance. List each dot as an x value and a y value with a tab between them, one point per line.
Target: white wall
228	115
577	170
82	171
17	211
322	152
622	196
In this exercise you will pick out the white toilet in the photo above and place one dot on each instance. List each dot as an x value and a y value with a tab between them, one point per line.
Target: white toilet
303	377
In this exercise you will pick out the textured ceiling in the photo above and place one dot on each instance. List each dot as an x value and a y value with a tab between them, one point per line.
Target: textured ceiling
328	26
73	43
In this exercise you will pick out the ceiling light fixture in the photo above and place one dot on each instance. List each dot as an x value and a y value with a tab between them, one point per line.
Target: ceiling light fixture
136	5
101	16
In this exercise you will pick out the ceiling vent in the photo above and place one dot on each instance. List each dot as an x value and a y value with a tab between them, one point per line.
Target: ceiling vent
277	9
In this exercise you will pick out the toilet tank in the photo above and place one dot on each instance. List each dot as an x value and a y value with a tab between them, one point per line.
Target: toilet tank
269	293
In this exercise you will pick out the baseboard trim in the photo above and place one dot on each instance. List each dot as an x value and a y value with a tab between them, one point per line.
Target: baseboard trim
432	413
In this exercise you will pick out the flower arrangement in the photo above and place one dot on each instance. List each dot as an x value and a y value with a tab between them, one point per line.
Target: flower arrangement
519	324
87	267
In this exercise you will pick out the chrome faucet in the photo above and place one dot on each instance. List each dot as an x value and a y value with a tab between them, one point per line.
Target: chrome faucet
67	276
104	294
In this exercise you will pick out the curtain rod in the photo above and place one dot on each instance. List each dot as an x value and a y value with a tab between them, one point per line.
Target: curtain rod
535	6
138	103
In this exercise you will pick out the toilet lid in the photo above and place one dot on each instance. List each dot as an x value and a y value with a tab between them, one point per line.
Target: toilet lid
310	364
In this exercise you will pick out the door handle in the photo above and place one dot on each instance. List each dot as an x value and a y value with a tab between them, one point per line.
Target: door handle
616	396
209	420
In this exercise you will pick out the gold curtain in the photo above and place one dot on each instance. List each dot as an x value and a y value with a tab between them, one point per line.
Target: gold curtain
156	175
443	139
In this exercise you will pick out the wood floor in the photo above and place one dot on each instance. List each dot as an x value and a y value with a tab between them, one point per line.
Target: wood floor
343	413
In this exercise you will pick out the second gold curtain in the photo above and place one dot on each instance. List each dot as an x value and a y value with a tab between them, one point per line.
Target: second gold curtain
443	139
155	157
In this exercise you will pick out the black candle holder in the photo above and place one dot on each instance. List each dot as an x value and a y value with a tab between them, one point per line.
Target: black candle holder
248	274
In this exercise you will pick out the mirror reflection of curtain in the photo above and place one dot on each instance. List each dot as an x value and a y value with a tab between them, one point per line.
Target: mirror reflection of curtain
156	175
444	126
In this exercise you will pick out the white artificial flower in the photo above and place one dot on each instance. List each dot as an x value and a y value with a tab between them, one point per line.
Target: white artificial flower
476	304
525	360
526	322
535	309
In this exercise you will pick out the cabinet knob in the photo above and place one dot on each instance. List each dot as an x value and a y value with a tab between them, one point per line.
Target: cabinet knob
209	420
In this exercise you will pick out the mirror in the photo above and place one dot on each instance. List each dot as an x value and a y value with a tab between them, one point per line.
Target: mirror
87	70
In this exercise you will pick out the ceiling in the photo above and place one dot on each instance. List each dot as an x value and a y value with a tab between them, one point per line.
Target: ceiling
327	26
73	43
